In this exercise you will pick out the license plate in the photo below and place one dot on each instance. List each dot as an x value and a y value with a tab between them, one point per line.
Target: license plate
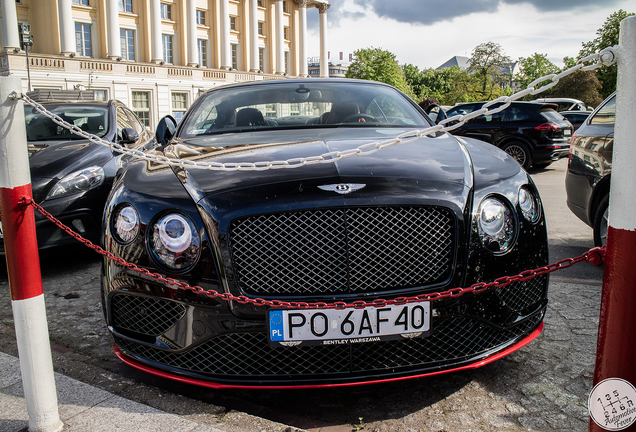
291	327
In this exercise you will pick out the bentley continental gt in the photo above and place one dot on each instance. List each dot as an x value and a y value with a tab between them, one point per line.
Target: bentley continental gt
434	213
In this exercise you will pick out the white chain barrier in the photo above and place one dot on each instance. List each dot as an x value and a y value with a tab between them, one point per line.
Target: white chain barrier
605	57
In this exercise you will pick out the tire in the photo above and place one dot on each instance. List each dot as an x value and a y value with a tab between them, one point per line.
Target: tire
519	152
600	222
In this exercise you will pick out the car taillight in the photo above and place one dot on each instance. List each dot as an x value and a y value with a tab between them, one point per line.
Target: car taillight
571	147
549	127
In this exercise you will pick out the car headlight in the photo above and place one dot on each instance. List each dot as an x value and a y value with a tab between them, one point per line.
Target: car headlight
79	181
496	225
529	205
174	241
126	224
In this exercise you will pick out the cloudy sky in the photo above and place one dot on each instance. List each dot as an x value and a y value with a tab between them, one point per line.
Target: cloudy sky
427	33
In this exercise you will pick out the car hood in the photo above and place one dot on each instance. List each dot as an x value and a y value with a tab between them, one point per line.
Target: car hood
431	170
56	159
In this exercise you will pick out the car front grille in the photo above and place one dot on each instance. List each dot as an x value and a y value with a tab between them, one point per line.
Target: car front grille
520	295
145	315
342	250
248	355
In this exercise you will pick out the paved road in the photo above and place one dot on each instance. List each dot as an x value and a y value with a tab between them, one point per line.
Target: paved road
541	387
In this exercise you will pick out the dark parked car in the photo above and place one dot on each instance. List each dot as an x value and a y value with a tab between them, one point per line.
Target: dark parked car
70	176
534	134
587	180
577	118
565	104
424	217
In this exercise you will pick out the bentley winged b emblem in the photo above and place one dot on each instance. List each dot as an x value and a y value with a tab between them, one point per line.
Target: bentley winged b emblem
342	188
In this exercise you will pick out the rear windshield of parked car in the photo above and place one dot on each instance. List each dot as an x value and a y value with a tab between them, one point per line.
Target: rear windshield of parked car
607	113
90	118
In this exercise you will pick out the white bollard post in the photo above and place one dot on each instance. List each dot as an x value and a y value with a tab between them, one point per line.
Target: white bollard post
23	264
614	372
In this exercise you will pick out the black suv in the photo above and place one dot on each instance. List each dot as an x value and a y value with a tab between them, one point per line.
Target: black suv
587	179
532	133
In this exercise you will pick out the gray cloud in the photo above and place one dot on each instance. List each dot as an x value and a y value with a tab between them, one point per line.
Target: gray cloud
429	12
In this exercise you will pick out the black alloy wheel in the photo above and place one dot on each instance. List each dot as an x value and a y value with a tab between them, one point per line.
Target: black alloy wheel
519	152
601	222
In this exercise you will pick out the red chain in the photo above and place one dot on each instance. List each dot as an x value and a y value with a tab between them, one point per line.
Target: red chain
593	256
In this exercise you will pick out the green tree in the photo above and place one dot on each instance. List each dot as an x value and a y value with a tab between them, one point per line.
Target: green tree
414	79
582	85
376	64
489	63
533	67
463	87
606	36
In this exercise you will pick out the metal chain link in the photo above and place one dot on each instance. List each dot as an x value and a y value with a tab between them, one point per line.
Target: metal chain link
594	256
605	57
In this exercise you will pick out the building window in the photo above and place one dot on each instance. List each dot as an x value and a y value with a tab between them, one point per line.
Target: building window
100	95
260	28
260	3
201	17
125	5
141	106
286	33
234	48
202	48
166	11
179	107
167	48
261	59
232	23
83	40
285	6
287	61
81	2
127	38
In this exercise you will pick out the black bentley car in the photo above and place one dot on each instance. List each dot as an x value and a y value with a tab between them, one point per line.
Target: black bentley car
422	217
71	176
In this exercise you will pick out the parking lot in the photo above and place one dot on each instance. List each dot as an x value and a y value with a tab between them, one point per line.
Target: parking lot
543	386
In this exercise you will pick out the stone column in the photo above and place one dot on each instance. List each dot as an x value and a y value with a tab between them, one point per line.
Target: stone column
280	40
226	52
114	41
67	27
302	5
10	35
193	53
156	45
254	66
324	60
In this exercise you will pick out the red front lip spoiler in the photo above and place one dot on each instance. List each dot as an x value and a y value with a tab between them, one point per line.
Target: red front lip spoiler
525	341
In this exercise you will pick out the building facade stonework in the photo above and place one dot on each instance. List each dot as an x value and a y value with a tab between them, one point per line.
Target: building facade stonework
156	56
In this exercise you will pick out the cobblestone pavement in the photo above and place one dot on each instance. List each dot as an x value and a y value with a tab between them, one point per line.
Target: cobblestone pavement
542	387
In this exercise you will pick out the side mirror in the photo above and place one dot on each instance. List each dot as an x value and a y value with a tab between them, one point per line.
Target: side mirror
436	113
165	130
129	136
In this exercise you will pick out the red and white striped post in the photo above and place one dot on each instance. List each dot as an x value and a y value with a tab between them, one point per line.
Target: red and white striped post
616	349
23	264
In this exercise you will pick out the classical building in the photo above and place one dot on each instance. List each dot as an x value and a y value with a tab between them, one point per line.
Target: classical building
157	56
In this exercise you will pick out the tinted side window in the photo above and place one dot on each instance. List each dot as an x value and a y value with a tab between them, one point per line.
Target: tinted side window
607	113
136	123
515	114
461	109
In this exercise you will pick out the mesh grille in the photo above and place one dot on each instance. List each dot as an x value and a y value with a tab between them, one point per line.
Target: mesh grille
519	295
245	355
145	315
341	251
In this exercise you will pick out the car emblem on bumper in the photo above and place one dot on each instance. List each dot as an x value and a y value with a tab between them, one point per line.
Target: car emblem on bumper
342	188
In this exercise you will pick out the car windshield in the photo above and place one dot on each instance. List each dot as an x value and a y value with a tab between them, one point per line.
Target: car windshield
283	105
90	118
